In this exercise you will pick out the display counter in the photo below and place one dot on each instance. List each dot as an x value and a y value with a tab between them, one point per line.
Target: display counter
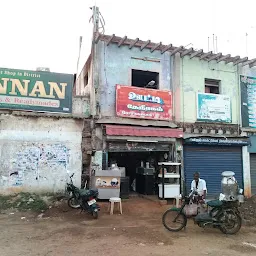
107	182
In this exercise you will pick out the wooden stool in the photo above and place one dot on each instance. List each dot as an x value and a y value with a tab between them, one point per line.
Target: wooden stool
112	202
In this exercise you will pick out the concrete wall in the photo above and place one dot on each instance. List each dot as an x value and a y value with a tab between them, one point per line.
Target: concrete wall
83	89
247	71
190	74
115	65
81	106
36	152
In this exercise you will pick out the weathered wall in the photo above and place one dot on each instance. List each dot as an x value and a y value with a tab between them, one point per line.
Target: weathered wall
247	71
83	89
81	106
115	65
192	73
37	152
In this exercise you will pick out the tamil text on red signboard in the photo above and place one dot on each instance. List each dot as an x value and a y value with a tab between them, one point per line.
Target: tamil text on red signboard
134	102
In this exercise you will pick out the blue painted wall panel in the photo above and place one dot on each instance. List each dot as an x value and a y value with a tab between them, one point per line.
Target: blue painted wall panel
115	65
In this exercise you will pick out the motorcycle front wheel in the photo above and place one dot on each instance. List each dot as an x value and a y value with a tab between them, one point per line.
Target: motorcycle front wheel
174	221
232	223
73	203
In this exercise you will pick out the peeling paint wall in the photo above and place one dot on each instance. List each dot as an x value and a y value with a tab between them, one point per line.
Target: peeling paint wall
192	77
36	153
81	106
245	70
115	65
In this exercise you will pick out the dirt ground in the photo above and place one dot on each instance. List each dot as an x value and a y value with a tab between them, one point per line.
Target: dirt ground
139	231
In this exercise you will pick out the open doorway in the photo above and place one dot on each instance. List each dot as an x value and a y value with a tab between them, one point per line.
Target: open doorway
133	160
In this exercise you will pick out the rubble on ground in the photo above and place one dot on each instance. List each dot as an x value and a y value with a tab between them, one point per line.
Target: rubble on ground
248	211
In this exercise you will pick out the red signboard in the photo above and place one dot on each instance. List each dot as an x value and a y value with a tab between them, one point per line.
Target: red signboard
135	102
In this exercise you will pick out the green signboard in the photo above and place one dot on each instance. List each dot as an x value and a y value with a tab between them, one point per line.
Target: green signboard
36	91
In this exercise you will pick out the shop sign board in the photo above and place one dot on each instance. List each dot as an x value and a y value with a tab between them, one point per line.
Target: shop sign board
143	103
248	101
137	147
213	108
219	141
36	91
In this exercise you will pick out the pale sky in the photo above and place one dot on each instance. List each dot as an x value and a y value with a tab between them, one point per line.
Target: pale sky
46	33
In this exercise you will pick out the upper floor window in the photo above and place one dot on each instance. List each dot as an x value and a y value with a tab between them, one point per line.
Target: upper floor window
212	86
145	79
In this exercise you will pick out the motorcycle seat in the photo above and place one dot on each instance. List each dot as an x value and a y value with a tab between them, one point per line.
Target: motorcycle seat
215	203
94	190
83	192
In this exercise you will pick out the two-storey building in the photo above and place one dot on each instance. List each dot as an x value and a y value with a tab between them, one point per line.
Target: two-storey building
152	102
207	85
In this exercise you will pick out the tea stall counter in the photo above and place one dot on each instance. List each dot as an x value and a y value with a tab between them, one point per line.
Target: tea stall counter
107	182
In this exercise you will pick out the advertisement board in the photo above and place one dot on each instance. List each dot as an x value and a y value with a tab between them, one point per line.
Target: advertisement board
35	91
248	101
143	103
213	108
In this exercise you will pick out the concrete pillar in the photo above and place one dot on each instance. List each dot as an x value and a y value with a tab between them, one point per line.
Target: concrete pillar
246	171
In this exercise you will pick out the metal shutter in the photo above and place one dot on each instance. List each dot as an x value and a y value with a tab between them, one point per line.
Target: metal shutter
211	161
253	172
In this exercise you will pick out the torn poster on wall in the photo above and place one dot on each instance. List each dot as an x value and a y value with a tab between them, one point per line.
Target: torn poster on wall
32	159
26	162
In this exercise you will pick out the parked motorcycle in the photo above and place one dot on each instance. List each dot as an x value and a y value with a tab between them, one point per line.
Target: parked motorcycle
83	198
223	215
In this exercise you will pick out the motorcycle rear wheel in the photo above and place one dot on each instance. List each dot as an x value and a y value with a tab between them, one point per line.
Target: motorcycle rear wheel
95	215
176	217
73	203
231	227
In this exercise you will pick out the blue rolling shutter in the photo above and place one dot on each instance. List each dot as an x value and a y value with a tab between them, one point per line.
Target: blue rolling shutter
211	161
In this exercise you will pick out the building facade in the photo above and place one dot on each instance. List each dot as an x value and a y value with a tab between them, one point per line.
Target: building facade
200	126
131	99
209	112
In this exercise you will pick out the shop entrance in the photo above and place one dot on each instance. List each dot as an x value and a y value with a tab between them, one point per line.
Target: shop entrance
131	161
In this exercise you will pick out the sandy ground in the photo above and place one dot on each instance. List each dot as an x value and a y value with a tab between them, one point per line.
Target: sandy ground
63	231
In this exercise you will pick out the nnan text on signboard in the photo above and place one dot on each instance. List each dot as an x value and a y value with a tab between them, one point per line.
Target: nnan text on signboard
37	91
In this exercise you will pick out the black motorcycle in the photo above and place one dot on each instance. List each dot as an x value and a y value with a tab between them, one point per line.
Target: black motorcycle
83	198
223	215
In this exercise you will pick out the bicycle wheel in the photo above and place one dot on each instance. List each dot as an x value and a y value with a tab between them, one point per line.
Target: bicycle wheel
174	221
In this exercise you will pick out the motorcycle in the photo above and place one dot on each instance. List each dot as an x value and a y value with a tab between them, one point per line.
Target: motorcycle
82	198
223	215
